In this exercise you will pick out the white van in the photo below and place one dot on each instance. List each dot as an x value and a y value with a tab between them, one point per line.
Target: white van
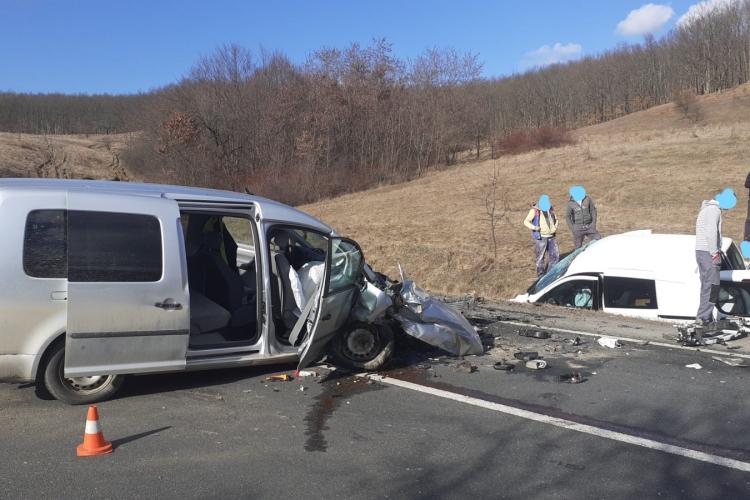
102	279
642	274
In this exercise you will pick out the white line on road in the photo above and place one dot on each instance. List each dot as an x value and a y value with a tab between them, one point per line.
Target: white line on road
627	339
568	424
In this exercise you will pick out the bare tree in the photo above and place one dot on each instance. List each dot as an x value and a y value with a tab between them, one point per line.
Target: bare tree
496	206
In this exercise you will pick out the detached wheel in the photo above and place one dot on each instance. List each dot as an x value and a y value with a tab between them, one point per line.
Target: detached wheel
363	346
76	390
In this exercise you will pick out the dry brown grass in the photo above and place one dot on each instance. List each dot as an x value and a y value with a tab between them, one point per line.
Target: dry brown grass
63	156
646	170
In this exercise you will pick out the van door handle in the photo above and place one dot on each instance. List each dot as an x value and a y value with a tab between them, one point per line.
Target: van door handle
169	305
59	295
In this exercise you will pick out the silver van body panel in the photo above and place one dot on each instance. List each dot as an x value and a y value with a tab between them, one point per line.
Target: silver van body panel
119	327
30	316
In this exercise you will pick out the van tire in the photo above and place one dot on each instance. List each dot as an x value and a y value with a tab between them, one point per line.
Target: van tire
381	336
66	390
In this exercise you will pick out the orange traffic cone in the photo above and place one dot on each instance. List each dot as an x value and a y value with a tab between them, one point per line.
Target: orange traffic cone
93	439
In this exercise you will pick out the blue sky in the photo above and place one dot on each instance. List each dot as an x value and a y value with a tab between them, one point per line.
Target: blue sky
121	46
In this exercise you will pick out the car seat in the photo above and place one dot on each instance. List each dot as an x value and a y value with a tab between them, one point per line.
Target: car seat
284	306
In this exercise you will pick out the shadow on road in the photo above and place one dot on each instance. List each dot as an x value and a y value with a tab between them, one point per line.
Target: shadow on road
141	385
134	437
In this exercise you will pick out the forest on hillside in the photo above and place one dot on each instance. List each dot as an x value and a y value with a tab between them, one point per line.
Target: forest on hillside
349	118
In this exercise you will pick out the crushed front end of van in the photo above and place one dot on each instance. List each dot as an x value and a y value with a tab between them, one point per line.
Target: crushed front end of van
417	314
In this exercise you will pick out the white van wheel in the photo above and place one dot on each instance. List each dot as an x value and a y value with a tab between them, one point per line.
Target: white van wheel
76	390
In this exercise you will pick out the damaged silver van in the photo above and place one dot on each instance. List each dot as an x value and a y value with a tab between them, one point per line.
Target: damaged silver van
104	279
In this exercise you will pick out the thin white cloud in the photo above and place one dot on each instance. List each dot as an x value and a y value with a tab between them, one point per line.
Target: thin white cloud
645	20
546	54
702	8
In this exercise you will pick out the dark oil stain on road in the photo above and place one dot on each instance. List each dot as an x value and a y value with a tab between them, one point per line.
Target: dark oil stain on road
336	390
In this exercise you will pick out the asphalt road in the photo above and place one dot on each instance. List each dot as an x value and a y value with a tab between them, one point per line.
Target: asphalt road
231	434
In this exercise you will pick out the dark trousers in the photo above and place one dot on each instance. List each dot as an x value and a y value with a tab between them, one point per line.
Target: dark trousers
746	236
579	233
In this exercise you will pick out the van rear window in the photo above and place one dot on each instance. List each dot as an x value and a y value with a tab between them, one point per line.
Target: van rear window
629	293
113	247
88	246
44	246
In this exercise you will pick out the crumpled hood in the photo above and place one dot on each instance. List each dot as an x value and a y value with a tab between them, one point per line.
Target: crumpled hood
435	322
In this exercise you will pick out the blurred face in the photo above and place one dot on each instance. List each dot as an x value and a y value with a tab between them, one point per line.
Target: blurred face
544	203
578	193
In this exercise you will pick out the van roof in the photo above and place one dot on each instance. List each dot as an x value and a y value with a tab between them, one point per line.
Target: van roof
271	210
640	253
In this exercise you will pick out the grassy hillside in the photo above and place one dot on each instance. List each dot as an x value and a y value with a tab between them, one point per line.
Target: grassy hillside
63	156
646	170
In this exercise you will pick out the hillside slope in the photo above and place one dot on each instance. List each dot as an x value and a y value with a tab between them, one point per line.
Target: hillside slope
63	156
646	170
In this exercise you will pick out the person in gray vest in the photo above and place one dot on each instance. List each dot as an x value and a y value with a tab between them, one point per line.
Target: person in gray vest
708	251
580	214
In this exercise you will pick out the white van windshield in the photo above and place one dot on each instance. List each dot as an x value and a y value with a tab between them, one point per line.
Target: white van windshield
557	271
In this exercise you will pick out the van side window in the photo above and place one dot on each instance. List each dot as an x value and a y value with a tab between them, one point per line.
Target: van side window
629	293
113	247
580	294
44	246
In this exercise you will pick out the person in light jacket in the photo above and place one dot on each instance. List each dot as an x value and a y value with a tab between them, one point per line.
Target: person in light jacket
708	251
542	221
580	214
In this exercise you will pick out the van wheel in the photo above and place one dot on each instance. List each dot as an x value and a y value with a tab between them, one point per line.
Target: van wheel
363	346
76	390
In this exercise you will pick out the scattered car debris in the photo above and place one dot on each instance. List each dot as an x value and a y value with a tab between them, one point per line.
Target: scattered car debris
610	342
571	378
278	378
536	334
694	366
718	332
536	364
305	373
737	362
464	367
504	366
526	355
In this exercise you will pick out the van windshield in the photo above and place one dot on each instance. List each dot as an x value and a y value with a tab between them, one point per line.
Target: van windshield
732	259
557	271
